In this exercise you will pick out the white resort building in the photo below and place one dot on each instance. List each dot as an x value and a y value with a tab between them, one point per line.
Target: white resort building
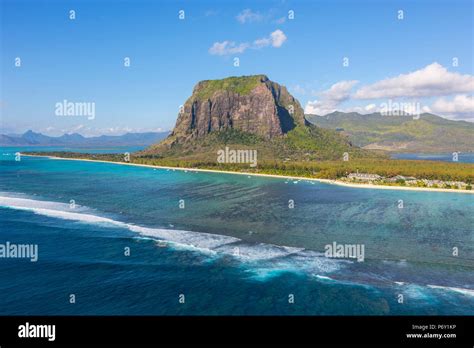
364	176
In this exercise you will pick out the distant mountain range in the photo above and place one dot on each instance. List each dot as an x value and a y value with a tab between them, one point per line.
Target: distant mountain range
429	133
282	134
31	138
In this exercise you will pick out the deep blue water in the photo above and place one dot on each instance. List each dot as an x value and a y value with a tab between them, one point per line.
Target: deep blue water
444	157
235	248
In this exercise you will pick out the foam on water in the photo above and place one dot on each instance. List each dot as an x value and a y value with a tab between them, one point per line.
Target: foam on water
467	292
423	291
63	211
266	260
259	251
417	292
276	257
323	277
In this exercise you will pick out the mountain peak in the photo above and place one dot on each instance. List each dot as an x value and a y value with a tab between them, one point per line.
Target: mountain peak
252	104
30	132
241	85
72	136
247	111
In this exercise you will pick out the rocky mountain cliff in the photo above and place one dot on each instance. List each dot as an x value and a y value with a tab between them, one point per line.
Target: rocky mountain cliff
252	104
248	111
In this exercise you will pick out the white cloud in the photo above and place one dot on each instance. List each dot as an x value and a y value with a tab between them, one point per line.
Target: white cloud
460	104
370	108
331	98
317	107
432	80
340	91
248	16
227	47
263	42
396	108
270	16
278	38
275	39
409	92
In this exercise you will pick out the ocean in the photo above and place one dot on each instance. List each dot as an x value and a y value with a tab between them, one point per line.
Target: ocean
127	240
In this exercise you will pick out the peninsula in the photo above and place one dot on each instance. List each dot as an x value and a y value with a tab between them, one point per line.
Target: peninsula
254	115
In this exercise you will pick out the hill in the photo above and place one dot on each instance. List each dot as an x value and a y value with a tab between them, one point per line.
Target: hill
429	133
248	112
31	138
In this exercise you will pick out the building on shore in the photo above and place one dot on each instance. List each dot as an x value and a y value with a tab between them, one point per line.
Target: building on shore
364	176
408	179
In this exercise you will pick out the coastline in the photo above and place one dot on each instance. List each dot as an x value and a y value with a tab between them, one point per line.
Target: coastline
299	178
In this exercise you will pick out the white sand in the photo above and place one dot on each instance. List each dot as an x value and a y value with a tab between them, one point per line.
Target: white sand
327	181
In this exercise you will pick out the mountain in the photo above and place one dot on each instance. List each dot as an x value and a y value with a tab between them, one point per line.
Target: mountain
37	138
252	104
247	112
429	133
31	138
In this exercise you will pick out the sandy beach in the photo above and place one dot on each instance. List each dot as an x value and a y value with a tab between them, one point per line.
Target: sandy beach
298	178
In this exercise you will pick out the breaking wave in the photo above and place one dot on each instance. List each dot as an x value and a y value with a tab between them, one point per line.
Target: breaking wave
269	257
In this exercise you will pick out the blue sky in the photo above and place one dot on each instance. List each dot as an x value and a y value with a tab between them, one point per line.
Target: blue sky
82	60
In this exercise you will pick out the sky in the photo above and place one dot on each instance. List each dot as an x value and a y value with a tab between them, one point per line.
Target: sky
331	55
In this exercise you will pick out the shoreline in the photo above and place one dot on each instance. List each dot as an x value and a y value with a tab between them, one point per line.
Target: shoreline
299	178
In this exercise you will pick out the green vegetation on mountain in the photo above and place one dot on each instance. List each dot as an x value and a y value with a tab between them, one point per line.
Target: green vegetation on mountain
429	133
303	144
242	85
249	112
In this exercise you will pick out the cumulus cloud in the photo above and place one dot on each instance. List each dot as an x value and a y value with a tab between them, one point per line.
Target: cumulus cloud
227	47
318	107
432	80
275	39
340	91
248	16
331	98
412	93
460	104
278	38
